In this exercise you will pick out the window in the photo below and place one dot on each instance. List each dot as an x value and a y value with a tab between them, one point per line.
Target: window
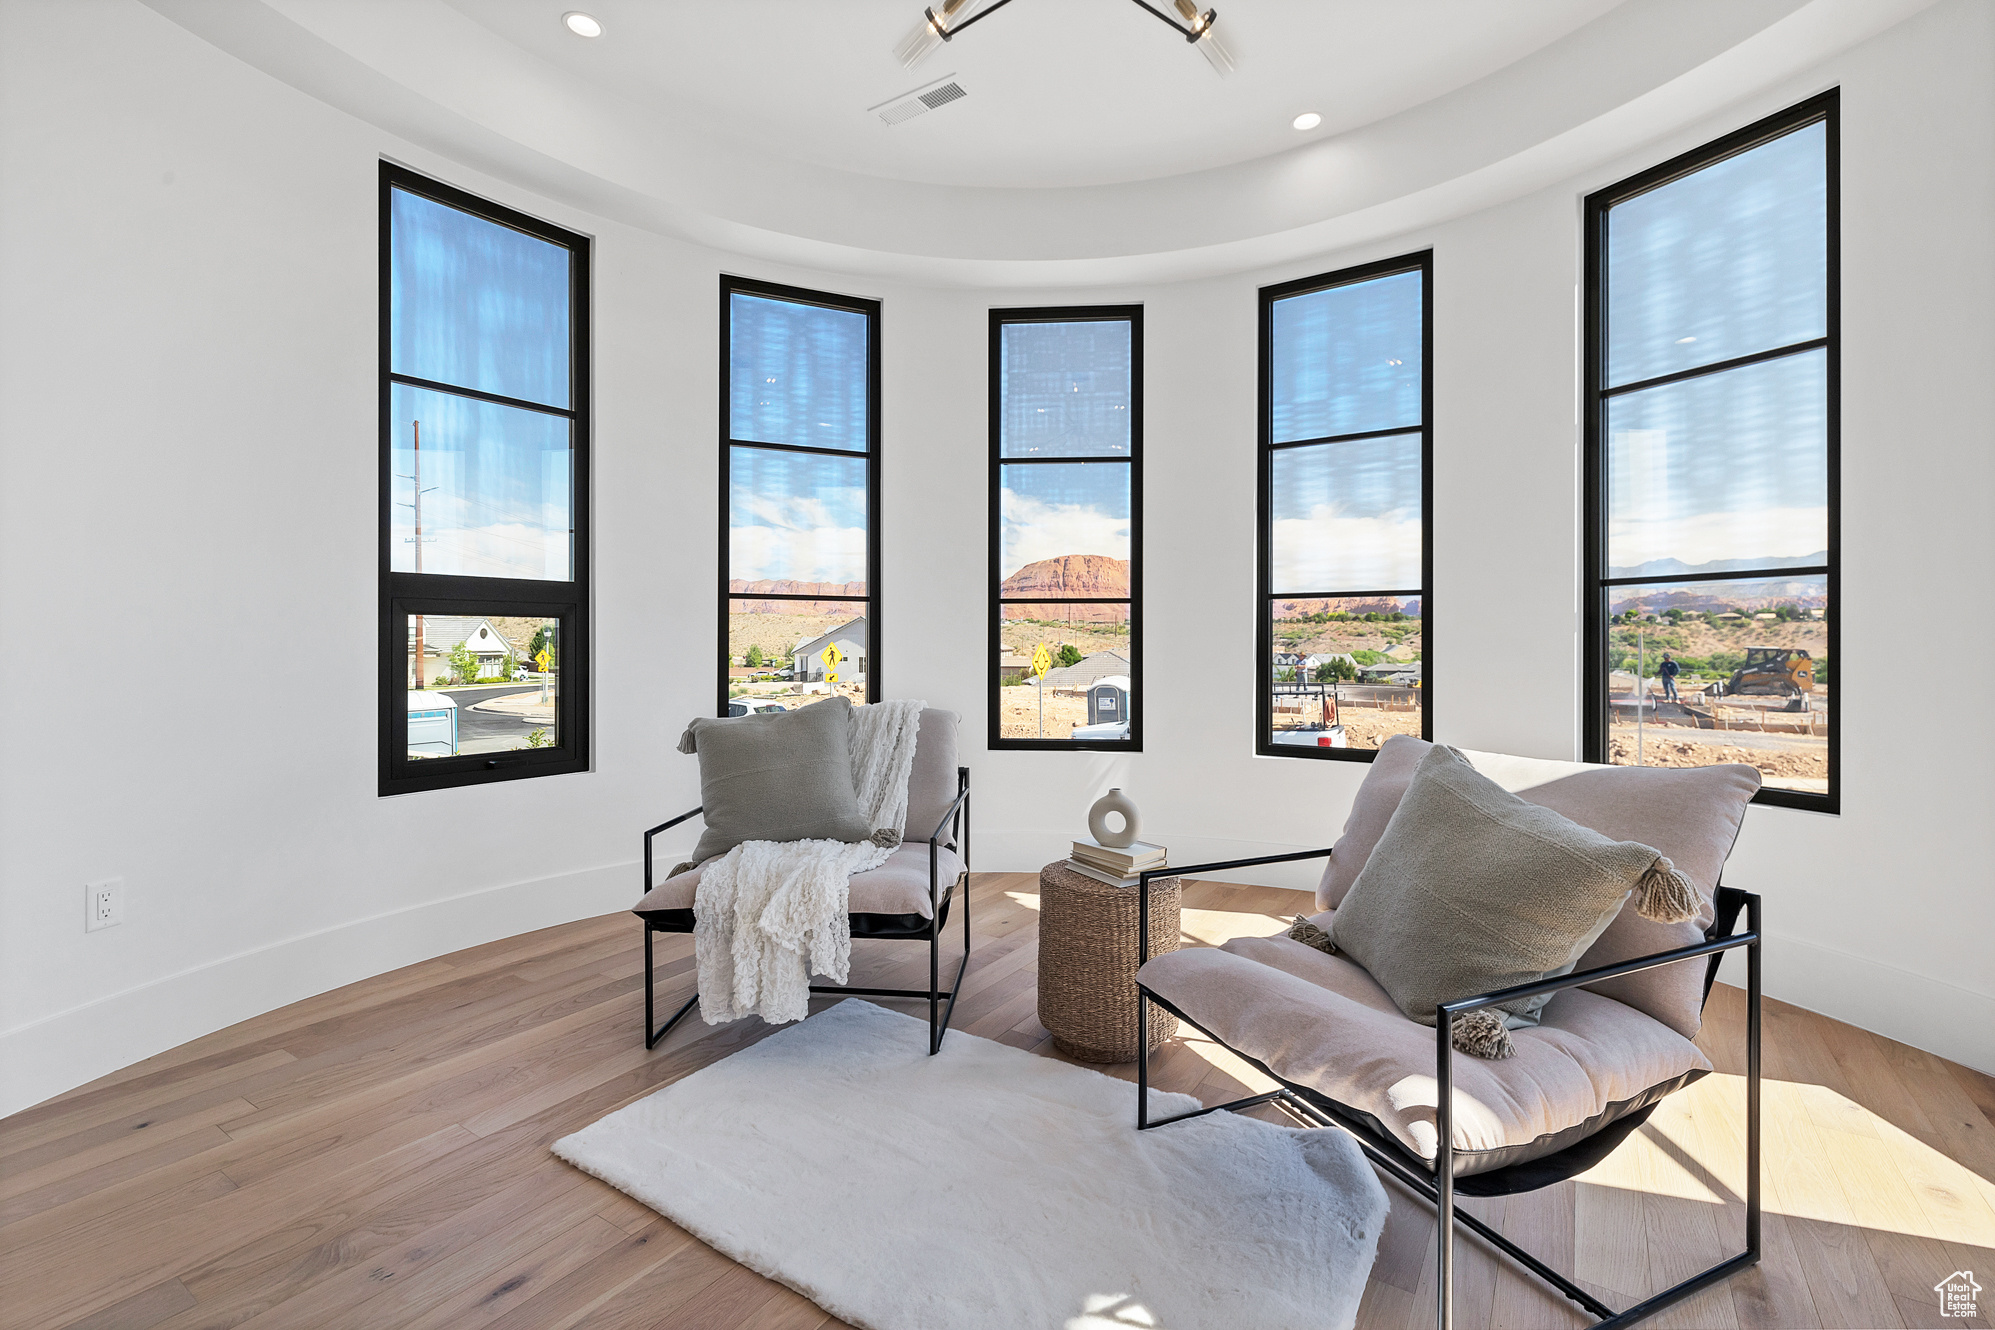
800	497
1345	491
1066	528
1711	417
484	636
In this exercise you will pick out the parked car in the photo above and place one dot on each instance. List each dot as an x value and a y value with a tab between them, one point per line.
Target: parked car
748	706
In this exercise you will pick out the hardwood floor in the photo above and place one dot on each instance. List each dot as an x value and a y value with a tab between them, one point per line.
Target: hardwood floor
377	1156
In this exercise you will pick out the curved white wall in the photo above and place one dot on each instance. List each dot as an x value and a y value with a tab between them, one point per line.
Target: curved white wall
187	396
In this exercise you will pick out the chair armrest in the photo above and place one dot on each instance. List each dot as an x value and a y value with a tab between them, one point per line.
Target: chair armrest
935	846
662	826
1143	885
1749	938
961	798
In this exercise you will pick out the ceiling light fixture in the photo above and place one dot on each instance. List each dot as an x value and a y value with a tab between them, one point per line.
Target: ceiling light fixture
1307	120
941	23
582	25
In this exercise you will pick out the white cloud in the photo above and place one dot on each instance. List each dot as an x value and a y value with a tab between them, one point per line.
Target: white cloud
1328	551
820	554
1035	530
1759	533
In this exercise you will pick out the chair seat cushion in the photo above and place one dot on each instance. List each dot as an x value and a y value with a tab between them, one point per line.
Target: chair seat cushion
1320	1021
898	886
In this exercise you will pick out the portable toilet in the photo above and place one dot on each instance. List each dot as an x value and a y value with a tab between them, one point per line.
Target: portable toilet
432	724
1108	700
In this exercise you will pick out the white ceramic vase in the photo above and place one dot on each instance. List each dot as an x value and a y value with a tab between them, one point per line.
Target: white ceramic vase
1115	801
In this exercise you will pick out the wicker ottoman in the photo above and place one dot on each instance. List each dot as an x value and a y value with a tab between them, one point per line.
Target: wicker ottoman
1087	962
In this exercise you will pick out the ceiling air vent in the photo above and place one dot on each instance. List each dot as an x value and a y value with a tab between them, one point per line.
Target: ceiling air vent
928	97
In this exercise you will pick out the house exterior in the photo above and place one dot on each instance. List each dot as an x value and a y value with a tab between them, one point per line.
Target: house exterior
1088	670
806	658
442	633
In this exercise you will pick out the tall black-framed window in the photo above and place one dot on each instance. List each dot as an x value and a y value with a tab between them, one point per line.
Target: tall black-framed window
799	497
1066	528
1346	498
484	612
1712	422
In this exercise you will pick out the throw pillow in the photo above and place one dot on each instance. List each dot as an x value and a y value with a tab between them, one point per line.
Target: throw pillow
1472	889
776	775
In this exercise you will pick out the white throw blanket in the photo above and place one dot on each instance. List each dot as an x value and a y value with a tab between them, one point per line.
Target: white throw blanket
769	914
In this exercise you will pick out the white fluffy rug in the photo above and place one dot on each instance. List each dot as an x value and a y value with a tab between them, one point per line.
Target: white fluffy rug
987	1187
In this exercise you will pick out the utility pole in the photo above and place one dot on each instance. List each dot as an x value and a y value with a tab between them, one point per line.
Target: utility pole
418	540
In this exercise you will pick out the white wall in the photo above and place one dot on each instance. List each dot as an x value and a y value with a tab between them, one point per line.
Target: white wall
187	396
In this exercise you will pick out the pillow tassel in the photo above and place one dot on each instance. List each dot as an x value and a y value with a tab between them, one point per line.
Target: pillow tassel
687	744
1309	935
886	838
1666	895
1482	1034
685	867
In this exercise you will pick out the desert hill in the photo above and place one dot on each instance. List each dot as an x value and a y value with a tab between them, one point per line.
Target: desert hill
1089	575
850	609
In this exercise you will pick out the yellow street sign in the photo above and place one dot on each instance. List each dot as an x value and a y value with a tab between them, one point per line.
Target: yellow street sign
1042	660
541	660
831	655
831	676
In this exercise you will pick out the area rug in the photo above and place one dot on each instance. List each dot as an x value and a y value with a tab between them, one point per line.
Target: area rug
990	1189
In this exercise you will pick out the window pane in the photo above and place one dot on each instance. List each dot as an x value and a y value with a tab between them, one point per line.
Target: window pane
1347	359
1347	516
492	484
480	686
777	653
1727	261
1087	694
1346	673
1065	389
1723	471
797	523
797	373
1065	529
476	304
1752	677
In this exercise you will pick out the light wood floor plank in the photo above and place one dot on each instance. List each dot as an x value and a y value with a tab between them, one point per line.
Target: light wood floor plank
378	1155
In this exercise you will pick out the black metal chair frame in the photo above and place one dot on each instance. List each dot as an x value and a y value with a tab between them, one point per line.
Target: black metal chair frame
1436	1181
941	897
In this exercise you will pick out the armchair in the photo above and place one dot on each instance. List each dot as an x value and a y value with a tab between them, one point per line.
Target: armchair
1343	1055
908	897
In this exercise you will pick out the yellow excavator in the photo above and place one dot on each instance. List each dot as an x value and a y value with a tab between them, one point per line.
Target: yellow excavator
1778	671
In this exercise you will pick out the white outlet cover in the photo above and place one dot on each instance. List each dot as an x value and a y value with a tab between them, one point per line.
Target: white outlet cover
103	904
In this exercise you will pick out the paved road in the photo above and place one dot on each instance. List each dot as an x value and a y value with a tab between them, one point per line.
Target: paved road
473	725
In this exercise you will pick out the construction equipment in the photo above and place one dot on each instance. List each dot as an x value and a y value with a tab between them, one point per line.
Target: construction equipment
1776	671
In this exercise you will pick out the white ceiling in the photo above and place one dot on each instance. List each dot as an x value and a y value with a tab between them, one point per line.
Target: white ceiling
1094	147
1062	92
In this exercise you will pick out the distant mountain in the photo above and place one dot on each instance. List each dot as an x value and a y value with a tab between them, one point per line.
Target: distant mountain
1070	575
1706	597
1296	609
788	588
1678	568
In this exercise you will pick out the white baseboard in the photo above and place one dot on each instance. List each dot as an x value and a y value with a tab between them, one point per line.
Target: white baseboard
59	1052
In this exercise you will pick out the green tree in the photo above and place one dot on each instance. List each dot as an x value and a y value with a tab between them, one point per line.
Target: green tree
543	636
463	664
753	658
1068	654
1338	668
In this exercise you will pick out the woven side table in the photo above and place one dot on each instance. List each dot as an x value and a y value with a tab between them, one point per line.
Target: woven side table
1087	962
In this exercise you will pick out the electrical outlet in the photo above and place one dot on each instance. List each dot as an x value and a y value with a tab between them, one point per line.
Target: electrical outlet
103	904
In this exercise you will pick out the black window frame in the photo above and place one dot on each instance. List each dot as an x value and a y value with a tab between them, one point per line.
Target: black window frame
402	594
1822	108
999	320
1422	262
730	285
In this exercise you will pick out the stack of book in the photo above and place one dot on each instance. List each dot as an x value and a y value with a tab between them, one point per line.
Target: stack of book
1117	867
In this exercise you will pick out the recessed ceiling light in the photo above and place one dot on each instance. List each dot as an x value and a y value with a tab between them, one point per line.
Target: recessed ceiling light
1307	120
582	25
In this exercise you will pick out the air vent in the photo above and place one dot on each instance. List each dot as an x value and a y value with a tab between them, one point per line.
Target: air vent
928	97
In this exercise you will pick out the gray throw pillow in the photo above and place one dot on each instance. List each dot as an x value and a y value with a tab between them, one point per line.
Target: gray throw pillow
776	775
1472	889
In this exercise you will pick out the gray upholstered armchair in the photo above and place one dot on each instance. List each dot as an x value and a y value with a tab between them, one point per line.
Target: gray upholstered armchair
909	897
1613	1041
